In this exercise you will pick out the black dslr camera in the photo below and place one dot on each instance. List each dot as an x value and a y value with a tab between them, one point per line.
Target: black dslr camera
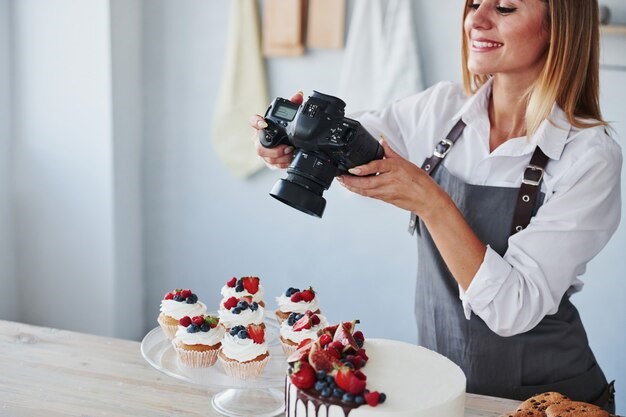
326	144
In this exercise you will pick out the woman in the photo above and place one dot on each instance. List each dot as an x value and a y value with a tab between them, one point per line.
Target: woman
511	207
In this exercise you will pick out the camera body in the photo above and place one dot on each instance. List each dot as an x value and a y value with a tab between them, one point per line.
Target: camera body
326	144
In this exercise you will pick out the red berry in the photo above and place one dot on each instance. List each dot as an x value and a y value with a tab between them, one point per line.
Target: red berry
251	284
303	375
349	380
337	345
296	297
308	295
305	342
198	320
185	293
232	282
230	303
303	323
372	398
185	321
256	333
168	296
325	339
315	319
358	335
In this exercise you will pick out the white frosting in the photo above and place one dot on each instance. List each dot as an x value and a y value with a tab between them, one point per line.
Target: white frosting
418	383
228	292
210	338
180	309
241	350
287	306
247	316
287	332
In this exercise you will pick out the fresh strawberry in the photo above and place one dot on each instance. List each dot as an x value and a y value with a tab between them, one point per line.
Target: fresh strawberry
185	321
325	339
321	360
198	320
296	297
308	295
168	296
344	335
230	303
231	283
302	375
372	398
303	323
185	293
256	333
302	353
212	321
350	381
251	284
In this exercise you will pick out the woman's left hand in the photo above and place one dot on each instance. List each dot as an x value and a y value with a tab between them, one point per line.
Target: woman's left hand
395	180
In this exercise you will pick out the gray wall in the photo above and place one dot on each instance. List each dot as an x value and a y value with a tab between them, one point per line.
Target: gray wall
116	191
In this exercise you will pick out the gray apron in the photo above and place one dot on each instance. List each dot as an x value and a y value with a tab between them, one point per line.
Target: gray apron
553	356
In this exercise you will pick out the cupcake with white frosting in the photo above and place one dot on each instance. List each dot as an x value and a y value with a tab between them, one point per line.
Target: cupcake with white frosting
176	305
244	352
243	287
299	327
198	340
295	301
240	312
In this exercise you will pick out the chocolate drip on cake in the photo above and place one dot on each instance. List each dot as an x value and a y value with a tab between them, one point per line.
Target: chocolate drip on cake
313	397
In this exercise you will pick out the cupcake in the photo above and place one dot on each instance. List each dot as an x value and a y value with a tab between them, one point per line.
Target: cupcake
176	305
240	312
243	287
299	327
295	301
244	353
198	340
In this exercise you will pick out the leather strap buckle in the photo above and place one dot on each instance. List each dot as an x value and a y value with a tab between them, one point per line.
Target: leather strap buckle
442	148
533	175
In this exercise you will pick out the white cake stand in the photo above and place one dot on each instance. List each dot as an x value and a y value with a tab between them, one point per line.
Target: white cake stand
261	397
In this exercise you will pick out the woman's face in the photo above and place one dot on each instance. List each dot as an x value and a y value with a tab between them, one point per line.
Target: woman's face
507	37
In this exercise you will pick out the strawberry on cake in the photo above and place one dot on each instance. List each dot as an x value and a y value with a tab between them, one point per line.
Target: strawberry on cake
243	287
299	327
341	373
295	301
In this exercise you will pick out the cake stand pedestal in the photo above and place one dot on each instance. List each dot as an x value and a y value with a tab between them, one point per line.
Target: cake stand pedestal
260	397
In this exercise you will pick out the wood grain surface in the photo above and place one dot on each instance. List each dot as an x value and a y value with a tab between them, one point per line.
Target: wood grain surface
52	373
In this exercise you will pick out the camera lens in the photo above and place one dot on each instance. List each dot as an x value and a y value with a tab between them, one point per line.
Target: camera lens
308	176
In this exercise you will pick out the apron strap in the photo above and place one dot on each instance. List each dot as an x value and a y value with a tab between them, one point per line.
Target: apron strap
531	182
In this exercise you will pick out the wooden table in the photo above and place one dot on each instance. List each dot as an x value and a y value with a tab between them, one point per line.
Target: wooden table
50	372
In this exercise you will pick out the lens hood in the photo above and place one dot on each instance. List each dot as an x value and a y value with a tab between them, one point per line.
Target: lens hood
298	197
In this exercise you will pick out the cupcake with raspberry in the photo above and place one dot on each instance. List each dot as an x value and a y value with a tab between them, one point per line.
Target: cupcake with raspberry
295	301
244	353
243	287
299	327
174	306
198	341
240	312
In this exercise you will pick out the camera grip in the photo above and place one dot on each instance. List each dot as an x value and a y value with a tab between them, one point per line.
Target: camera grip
273	135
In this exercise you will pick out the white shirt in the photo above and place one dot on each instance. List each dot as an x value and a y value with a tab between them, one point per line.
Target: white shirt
581	210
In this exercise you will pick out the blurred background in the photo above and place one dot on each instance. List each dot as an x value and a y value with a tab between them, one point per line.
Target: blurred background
112	192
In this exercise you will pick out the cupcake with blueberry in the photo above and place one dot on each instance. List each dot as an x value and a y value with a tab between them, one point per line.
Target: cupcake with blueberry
299	327
174	306
243	287
240	312
295	301
244	352
198	341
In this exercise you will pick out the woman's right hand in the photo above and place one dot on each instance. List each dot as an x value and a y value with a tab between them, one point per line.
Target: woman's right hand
281	155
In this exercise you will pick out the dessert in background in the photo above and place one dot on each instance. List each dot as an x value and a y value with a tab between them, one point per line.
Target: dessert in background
295	301
198	340
244	352
343	374
555	404
176	305
240	312
243	287
299	327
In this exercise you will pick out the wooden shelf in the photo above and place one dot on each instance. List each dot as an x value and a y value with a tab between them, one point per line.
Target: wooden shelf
613	29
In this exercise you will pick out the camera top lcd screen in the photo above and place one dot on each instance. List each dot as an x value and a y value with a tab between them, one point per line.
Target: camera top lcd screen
285	112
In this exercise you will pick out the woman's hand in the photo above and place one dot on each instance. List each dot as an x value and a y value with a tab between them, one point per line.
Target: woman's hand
281	155
396	181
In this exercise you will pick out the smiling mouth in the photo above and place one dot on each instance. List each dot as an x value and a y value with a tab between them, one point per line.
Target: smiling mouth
486	44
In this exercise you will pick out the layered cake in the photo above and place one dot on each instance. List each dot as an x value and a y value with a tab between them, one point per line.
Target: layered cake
340	374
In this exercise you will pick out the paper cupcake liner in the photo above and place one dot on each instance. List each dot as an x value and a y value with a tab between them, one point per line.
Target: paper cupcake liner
196	358
243	370
287	348
168	329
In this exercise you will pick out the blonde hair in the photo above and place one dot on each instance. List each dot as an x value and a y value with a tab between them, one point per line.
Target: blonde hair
571	73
